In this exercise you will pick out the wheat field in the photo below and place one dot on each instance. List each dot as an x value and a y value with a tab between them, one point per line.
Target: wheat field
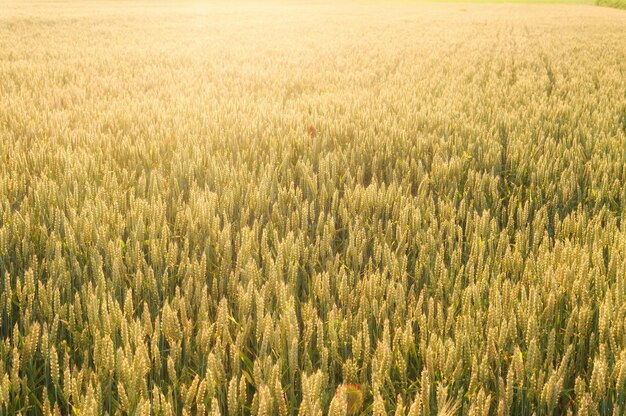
312	208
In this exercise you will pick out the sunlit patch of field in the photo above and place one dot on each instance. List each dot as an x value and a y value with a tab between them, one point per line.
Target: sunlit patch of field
306	208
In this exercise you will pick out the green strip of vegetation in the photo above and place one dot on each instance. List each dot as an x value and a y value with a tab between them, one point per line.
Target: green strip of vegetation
620	4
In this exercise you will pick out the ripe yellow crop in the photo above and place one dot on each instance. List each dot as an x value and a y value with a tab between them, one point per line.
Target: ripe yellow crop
289	208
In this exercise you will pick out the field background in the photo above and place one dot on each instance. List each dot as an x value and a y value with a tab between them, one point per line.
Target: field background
242	208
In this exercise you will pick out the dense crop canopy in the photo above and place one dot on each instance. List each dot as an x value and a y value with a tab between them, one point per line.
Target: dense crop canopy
312	208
